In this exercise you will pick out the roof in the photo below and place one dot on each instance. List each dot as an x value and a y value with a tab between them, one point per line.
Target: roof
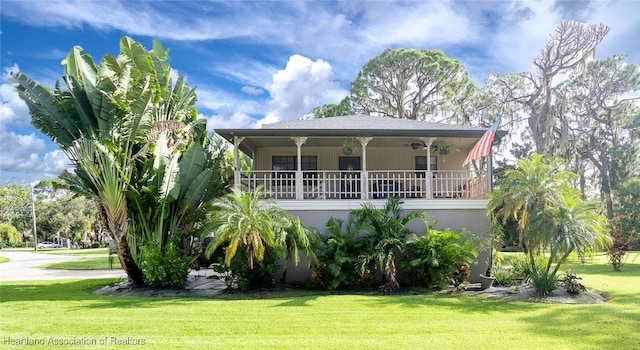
327	131
357	125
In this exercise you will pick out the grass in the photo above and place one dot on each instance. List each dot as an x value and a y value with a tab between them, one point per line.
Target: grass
65	310
84	264
3	259
60	251
93	251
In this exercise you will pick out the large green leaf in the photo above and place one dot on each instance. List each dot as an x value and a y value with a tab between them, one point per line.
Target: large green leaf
45	111
191	165
79	104
198	187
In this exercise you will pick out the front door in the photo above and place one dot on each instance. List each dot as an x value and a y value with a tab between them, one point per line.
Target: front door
350	177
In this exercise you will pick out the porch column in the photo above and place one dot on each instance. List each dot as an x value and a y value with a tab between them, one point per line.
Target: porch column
299	183
236	161
429	178
364	177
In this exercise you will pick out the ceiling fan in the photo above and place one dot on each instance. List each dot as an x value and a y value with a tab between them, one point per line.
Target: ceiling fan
417	145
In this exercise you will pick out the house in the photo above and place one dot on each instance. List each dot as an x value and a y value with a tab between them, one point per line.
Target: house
314	171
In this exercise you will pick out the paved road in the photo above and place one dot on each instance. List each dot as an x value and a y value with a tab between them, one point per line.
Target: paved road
22	266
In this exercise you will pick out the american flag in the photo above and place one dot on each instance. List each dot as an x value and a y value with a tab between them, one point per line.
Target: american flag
483	146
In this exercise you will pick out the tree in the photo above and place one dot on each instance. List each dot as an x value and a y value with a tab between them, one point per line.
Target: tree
604	114
294	237
69	216
137	145
255	233
388	237
550	213
333	110
240	223
568	49
9	235
412	84
15	206
625	231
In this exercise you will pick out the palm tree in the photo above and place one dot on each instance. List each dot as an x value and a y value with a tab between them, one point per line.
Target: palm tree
574	227
387	239
550	213
240	223
136	143
295	237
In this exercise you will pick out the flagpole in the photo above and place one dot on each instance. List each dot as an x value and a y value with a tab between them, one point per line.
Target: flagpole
490	172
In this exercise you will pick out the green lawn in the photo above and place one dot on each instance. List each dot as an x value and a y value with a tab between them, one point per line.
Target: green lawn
67	309
93	251
60	251
84	264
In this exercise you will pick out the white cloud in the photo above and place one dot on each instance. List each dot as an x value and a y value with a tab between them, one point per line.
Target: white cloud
55	162
221	101
252	90
415	23
245	71
20	152
297	88
13	111
235	120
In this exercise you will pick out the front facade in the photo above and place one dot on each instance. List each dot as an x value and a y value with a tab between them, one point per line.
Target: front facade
326	167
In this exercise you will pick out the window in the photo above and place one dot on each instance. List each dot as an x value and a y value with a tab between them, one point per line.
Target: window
282	164
421	164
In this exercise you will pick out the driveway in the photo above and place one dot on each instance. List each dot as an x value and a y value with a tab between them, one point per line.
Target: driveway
22	266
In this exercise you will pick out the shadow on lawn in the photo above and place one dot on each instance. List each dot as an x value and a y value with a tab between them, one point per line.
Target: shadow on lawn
76	290
603	326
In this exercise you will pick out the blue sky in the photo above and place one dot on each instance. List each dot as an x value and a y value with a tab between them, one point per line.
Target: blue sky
262	61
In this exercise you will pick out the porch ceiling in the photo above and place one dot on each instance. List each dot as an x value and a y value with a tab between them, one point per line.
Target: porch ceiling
331	132
254	142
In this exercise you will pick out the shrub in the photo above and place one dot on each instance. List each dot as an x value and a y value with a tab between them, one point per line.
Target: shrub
571	284
521	268
503	276
338	252
544	283
433	260
239	272
164	267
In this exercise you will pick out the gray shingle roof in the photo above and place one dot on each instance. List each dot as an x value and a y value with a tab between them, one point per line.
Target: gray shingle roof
364	122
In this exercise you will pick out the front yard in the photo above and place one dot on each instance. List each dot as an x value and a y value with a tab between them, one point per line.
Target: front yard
67	311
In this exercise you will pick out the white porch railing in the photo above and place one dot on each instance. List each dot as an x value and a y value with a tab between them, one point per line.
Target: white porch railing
374	184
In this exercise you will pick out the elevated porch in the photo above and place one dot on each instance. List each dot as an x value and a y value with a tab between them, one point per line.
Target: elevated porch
367	185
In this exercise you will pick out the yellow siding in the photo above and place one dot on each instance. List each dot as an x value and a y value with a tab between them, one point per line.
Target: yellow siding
399	158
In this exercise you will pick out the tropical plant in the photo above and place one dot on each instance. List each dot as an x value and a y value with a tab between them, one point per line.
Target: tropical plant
349	145
164	267
137	145
571	284
337	254
294	237
241	223
436	258
551	215
387	238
